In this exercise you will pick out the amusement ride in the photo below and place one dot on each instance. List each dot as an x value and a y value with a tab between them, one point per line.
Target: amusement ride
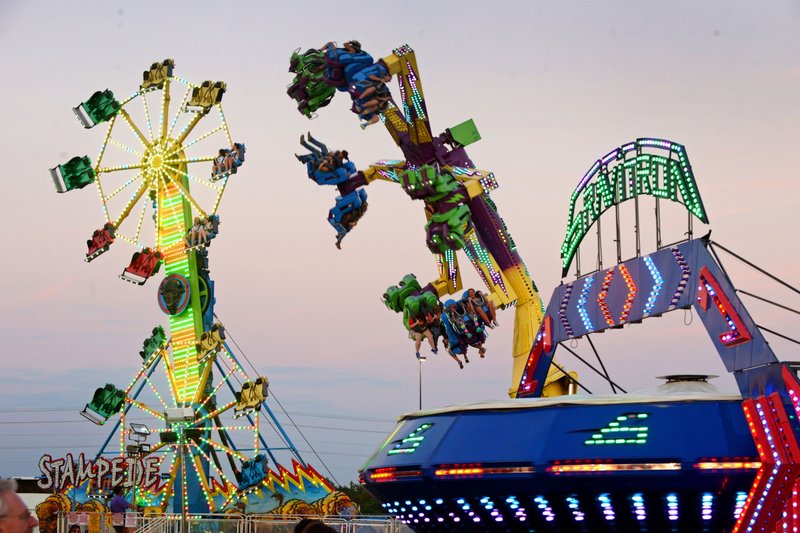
456	196
215	443
682	457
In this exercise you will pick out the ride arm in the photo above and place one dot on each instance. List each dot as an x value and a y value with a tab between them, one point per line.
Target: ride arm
476	182
403	64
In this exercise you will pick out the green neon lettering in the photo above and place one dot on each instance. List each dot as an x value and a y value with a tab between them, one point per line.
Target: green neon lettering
645	174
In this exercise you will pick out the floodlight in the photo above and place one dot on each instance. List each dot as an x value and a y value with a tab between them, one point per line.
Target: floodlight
139	429
133	450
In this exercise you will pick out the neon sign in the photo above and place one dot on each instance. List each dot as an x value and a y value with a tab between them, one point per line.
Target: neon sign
412	442
625	173
58	474
708	291
627	428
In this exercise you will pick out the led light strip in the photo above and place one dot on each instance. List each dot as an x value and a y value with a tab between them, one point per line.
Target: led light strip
632	290
574	507
544	507
446	471
637	501
182	327
658	283
486	259
562	310
584	468
672	507
728	465
416	97
605	504
582	300
449	256
686	272
477	267
382	475
709	288
601	298
411	442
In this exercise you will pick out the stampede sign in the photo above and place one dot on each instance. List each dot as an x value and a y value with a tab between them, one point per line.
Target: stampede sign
63	473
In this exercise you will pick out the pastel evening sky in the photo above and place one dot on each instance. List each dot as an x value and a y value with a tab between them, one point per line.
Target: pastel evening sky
551	86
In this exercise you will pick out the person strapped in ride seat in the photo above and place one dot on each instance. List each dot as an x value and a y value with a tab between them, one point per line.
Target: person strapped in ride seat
419	327
480	305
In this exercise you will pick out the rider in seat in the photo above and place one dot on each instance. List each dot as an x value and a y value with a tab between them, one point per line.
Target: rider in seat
466	327
453	343
419	327
227	161
482	306
198	233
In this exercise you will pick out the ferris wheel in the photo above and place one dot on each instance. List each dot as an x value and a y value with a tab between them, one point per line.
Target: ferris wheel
150	167
219	445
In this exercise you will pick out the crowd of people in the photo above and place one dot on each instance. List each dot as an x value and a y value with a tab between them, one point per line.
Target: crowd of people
15	517
459	323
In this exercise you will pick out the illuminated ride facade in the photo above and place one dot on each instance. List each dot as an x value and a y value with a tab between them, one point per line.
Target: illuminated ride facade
219	445
684	457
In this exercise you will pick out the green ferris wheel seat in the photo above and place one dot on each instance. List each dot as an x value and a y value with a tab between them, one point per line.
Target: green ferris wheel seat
153	344
99	108
106	402
76	173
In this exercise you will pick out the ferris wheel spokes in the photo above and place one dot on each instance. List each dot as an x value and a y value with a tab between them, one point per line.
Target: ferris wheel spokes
147	116
186	94
124	185
147	143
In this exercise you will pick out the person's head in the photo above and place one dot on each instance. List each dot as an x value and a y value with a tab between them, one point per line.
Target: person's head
196	220
117	491
14	514
75	528
471	293
352	46
309	525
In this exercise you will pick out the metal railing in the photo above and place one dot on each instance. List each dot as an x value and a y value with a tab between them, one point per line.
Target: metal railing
210	523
